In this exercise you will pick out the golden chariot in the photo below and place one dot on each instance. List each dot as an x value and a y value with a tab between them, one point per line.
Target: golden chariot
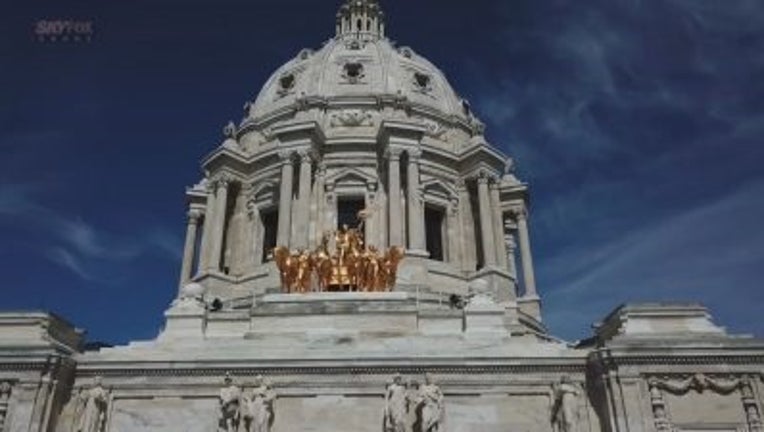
351	267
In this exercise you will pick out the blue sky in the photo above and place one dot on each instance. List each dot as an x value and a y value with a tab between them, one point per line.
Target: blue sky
637	123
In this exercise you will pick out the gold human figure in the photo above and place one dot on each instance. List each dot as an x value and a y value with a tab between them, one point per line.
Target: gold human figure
304	271
323	264
354	259
372	270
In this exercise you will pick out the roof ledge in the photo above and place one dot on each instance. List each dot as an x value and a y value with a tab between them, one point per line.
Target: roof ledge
658	320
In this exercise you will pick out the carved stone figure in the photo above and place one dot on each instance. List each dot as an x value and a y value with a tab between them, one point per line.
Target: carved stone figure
5	394
396	406
92	417
257	407
230	403
565	408
432	406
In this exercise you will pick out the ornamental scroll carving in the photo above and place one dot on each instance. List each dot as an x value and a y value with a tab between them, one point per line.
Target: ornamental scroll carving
681	385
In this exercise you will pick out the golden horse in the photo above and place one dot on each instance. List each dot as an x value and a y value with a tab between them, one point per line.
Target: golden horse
287	265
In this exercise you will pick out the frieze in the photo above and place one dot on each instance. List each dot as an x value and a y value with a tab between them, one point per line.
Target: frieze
685	360
681	384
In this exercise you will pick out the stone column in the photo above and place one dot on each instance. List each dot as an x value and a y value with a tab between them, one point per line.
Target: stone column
370	225
486	222
218	229
303	201
320	213
529	277
209	219
415	205
255	233
394	196
453	234
187	267
285	200
498	227
467	226
511	245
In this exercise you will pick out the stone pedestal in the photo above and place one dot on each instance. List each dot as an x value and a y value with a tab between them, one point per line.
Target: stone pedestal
186	319
499	283
484	317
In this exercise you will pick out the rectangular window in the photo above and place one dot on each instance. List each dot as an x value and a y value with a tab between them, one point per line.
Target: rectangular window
433	220
270	221
347	211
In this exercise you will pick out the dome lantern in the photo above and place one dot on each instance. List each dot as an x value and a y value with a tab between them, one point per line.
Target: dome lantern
361	19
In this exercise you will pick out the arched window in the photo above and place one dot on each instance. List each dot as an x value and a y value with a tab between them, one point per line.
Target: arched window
368	25
359	25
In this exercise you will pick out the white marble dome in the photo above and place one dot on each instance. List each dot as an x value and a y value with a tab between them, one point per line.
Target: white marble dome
347	68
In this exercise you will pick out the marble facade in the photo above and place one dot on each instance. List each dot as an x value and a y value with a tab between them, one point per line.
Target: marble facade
458	344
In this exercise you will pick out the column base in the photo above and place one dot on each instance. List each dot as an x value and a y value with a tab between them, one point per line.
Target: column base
417	253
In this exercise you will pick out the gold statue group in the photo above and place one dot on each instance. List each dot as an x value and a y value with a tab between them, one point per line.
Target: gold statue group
352	267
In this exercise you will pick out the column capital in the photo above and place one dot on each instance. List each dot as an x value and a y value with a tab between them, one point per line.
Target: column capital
306	155
285	156
484	177
453	205
519	213
461	184
194	215
371	186
414	153
393	153
222	181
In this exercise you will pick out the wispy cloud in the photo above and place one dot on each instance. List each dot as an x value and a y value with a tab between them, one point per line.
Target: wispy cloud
700	254
69	261
75	244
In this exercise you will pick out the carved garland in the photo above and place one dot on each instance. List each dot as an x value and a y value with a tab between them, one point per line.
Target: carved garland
681	385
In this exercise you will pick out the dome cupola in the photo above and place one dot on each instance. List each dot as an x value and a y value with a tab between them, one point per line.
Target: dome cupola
361	19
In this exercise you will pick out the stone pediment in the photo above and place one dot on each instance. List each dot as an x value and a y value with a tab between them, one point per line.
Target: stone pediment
438	188
350	176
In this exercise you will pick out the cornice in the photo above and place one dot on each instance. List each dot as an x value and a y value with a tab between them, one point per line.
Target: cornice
273	369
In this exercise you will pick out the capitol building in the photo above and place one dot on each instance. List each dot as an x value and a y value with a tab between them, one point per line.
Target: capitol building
357	259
